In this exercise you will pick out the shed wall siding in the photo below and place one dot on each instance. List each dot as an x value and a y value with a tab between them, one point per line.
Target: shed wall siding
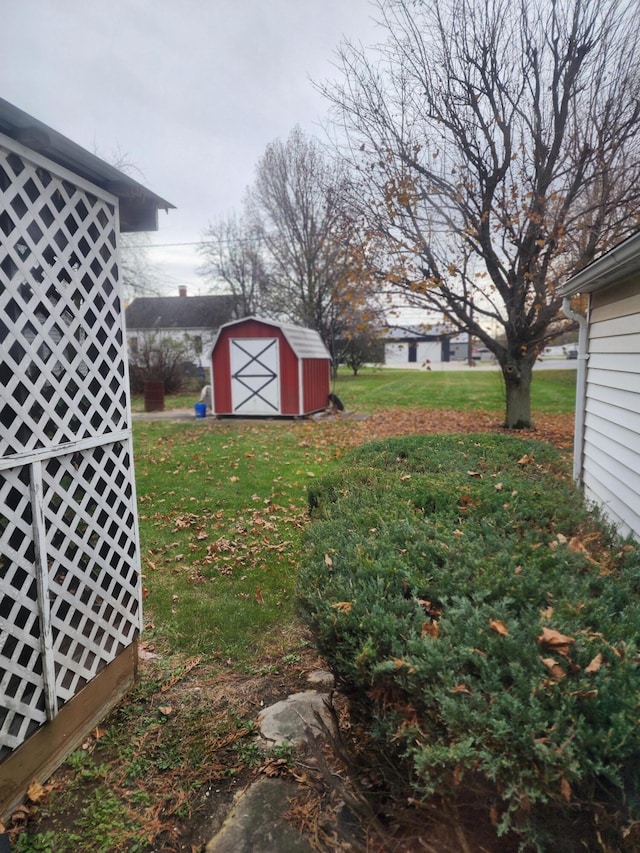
289	379
221	377
315	383
611	462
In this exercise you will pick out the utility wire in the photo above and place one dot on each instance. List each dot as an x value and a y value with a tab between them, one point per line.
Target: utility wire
164	245
215	242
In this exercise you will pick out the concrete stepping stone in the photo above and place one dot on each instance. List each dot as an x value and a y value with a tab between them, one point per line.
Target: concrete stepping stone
321	678
255	824
288	720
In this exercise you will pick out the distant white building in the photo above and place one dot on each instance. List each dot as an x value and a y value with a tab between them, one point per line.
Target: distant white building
459	349
416	345
191	319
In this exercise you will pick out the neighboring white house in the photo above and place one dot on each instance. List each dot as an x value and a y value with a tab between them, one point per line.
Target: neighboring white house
192	319
607	436
416	345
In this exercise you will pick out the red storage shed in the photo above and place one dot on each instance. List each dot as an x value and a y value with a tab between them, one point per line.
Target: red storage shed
265	368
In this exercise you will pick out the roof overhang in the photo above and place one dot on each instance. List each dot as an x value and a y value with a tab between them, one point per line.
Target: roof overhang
138	206
404	334
615	265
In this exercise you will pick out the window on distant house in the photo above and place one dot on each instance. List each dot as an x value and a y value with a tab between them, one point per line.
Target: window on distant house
197	344
133	345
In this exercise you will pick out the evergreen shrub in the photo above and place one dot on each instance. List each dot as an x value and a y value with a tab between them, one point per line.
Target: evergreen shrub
485	625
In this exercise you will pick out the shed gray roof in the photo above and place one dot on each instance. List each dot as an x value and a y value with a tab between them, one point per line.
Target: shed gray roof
306	343
138	205
179	312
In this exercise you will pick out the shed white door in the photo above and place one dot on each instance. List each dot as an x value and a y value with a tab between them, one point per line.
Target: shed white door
255	380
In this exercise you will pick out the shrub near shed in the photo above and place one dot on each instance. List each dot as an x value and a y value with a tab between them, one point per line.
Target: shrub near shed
485	626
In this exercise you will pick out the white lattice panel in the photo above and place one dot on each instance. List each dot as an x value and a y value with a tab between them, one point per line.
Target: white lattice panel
93	580
69	566
21	679
63	363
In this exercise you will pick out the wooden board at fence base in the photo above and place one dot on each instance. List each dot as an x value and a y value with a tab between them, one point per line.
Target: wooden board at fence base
45	750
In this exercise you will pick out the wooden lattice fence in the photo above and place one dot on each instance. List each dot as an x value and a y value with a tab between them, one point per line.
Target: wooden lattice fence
70	592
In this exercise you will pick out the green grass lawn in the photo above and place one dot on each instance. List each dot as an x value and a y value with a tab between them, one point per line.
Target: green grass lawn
223	503
552	391
184	400
222	506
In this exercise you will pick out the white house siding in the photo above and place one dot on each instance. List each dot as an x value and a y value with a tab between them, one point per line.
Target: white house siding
196	354
429	350
398	354
611	454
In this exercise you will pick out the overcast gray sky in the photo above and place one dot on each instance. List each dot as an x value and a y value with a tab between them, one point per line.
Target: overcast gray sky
191	91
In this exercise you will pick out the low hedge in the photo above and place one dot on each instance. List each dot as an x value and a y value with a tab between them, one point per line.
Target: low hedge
485	625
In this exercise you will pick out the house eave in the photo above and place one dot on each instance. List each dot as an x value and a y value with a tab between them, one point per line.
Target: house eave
618	263
138	206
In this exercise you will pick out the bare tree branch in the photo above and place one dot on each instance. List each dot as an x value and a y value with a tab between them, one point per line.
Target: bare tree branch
497	146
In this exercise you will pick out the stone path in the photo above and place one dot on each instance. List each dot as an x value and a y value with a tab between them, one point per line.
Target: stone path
256	823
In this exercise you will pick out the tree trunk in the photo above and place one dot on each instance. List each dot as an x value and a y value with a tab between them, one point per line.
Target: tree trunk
517	379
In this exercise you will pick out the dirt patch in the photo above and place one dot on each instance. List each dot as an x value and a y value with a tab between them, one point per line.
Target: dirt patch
186	748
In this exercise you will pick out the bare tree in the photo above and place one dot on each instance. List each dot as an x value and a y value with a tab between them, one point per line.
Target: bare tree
139	275
159	357
362	344
497	144
234	260
297	204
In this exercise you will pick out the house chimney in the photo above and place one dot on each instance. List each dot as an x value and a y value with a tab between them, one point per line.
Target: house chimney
182	290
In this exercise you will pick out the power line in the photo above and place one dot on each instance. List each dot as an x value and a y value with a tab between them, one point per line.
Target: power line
216	242
166	245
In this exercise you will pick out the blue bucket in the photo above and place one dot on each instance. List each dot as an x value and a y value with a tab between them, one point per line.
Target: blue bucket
201	410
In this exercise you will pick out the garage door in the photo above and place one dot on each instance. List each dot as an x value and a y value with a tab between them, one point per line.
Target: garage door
255	382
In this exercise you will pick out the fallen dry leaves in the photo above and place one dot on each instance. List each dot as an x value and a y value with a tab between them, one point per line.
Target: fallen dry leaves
555	641
595	664
37	792
556	672
386	423
499	627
